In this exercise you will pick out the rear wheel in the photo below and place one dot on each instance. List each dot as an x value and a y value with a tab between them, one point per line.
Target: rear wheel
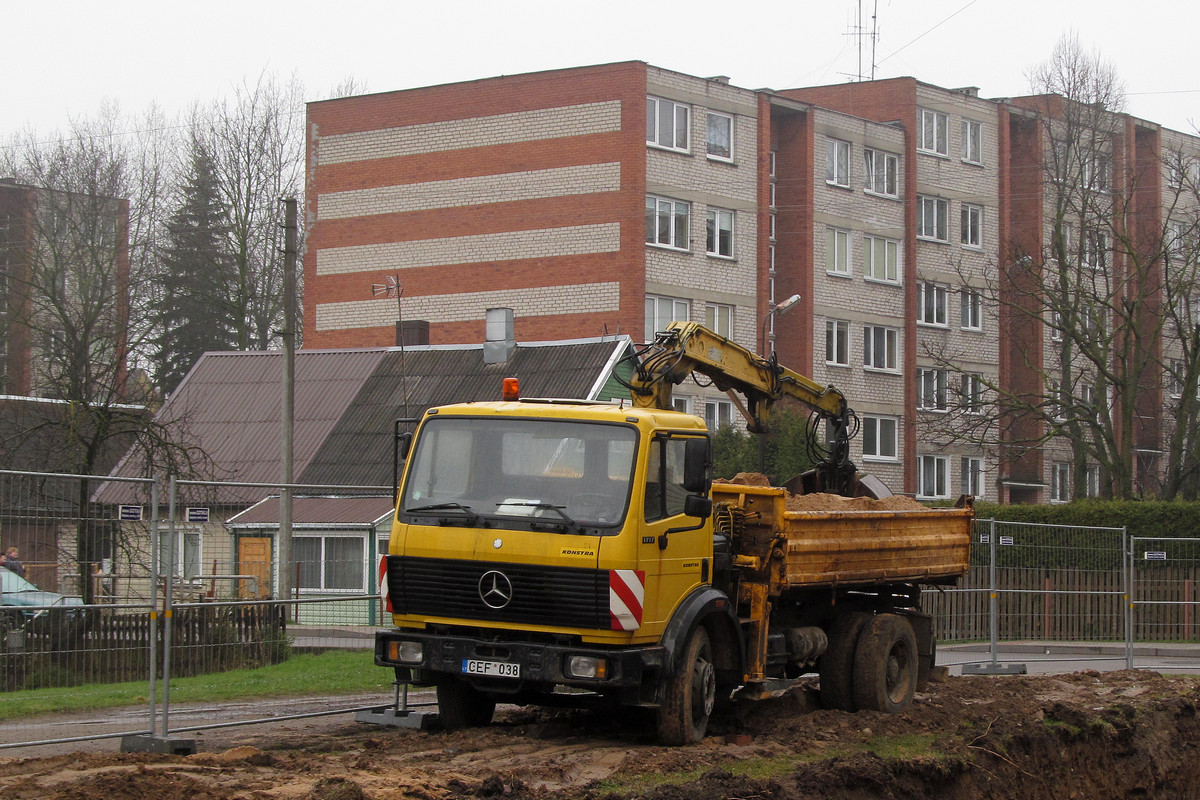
885	665
689	695
836	665
461	705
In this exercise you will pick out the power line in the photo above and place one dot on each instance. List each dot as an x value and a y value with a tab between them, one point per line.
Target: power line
926	33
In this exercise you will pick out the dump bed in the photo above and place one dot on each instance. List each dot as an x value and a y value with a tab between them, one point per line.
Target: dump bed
850	540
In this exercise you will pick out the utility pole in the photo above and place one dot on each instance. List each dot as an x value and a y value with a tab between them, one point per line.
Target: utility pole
289	396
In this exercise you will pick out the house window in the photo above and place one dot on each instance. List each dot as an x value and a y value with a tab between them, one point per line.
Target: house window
720	136
932	480
972	393
719	233
667	222
882	172
1095	250
662	310
678	403
1093	481
718	413
971	301
1097	173
331	563
837	162
971	477
1060	482
933	132
667	124
718	318
837	342
879	437
932	216
931	303
882	257
931	389
772	190
972	141
837	251
881	348
771	224
1175	378
187	552
1056	326
972	225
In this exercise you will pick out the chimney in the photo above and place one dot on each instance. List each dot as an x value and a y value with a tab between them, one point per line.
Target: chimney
501	342
412	332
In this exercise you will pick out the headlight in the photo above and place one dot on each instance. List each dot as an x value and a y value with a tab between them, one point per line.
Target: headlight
405	652
591	667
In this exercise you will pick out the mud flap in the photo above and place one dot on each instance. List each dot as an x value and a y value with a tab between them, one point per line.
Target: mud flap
922	625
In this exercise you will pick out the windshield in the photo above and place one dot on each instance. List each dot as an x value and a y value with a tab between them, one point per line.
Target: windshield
521	472
12	582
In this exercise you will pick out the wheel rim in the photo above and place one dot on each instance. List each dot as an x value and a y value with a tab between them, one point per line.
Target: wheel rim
704	688
897	673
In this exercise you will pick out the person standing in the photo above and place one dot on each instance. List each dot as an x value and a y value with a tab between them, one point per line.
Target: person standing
12	560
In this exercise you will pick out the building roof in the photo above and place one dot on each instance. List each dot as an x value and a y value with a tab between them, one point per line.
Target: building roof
346	402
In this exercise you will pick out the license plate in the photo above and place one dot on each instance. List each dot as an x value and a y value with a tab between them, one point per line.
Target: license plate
496	668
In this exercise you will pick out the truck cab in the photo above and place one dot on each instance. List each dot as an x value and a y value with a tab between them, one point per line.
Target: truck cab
543	546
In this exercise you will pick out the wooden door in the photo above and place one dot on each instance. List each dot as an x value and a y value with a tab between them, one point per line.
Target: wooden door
254	558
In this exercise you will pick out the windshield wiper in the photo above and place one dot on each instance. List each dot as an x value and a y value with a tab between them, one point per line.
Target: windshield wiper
474	518
567	522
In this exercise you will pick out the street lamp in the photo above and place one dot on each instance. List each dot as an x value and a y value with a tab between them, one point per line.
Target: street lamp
778	309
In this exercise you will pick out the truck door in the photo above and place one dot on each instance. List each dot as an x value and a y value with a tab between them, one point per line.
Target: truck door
686	561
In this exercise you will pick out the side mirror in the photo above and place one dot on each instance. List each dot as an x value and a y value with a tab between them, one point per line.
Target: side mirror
403	445
697	505
697	465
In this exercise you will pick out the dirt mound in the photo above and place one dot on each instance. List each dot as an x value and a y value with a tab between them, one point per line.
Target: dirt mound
1086	736
819	501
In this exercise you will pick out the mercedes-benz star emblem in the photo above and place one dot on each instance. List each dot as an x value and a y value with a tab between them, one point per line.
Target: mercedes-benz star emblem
495	589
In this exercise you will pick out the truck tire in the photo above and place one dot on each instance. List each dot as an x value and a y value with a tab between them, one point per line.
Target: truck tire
461	705
836	665
690	694
885	665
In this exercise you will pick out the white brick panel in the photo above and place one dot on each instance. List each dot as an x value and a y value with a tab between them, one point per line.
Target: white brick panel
458	134
584	298
480	190
506	246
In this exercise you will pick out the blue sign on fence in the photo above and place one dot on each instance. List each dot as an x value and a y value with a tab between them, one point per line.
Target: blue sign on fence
197	514
129	513
1156	555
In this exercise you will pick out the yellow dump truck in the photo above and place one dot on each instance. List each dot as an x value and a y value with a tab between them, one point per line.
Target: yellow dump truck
550	552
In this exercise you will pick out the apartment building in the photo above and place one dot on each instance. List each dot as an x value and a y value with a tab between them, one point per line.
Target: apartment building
64	278
893	208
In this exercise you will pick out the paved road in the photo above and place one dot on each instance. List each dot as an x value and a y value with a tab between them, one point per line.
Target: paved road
1062	657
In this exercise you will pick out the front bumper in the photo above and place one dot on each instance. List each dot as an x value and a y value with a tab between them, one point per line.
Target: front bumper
631	675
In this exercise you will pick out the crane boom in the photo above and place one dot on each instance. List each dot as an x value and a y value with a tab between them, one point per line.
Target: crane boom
688	347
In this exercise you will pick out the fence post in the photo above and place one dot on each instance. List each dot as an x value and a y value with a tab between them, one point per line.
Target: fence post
993	602
1130	576
153	627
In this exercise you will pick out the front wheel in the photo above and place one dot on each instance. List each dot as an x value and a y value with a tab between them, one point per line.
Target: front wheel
690	694
885	664
461	705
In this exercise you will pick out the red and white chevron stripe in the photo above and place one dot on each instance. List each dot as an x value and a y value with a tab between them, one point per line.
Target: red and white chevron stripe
383	585
626	594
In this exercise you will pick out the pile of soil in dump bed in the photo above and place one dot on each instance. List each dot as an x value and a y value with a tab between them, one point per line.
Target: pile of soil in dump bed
819	501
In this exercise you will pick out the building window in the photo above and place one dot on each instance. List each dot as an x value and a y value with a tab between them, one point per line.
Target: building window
187	553
772	190
1093	481
667	124
719	233
932	216
971	477
932	476
662	310
931	303
972	225
1175	378
678	403
837	162
1060	482
1095	250
880	438
931	389
933	132
667	222
882	257
331	563
1056	326
771	224
837	342
971	301
718	318
972	393
718	413
1097	173
881	348
720	136
771	165
882	172
837	251
972	141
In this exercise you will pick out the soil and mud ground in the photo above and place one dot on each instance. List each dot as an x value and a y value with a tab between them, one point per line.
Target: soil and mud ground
1086	736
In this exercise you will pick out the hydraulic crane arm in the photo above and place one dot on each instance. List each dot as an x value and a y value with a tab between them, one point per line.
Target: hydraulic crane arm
687	347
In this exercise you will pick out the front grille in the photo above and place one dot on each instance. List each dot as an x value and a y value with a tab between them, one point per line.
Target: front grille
569	597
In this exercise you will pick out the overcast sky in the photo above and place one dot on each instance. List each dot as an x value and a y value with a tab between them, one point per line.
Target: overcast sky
63	58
